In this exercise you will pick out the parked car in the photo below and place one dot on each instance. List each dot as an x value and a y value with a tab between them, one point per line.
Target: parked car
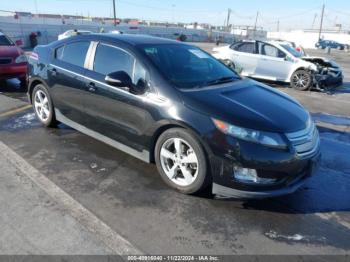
323	44
280	62
13	62
171	103
71	33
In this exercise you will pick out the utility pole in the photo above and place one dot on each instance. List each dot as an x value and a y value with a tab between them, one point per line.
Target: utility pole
114	14
321	24
278	25
256	20
228	18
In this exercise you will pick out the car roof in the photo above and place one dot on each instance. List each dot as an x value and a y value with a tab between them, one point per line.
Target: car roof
1	33
131	38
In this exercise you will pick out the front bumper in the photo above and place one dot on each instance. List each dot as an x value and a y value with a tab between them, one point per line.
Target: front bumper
330	79
291	185
13	71
289	169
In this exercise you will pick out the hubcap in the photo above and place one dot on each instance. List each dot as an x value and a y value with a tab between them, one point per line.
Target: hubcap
41	104
179	161
300	80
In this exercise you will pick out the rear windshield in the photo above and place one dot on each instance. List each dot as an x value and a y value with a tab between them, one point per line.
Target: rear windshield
187	66
4	41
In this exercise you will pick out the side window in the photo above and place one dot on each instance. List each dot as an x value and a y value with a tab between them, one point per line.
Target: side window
269	50
59	53
73	53
234	46
139	76
246	48
109	59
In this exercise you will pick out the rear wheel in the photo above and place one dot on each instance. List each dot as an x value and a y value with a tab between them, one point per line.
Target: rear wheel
301	80
181	161
43	107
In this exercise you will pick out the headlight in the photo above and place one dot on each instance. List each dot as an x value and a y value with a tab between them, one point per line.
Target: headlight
21	59
260	137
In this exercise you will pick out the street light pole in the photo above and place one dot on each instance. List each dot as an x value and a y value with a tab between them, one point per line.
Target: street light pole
114	13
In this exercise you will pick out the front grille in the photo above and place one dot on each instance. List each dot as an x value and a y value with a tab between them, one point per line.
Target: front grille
5	61
306	142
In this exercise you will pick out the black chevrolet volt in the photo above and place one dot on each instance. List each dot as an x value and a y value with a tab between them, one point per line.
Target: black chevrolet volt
172	104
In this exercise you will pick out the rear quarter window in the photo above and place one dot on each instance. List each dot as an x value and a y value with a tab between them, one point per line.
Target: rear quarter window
73	53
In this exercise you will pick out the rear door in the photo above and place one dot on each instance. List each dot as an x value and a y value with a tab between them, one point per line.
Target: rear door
66	76
112	111
272	64
245	58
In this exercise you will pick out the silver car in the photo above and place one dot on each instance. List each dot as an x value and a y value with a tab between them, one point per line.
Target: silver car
279	61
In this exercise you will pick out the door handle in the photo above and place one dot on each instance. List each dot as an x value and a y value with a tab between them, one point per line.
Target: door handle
91	87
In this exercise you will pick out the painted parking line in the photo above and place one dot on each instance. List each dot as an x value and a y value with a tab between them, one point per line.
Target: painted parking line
117	243
15	111
335	217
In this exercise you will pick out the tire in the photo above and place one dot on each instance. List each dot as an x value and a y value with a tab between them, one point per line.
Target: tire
301	80
43	109
170	163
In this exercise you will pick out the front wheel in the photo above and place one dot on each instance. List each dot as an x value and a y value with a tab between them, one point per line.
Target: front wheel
301	80
43	107
181	161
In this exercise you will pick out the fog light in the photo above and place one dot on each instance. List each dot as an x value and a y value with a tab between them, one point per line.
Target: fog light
246	175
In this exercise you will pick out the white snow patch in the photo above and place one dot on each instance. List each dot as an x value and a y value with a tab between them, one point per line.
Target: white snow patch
93	165
274	235
23	121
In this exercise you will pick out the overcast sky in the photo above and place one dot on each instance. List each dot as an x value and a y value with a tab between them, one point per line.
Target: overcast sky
292	14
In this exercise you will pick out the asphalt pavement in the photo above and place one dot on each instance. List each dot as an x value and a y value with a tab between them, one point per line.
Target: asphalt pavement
129	197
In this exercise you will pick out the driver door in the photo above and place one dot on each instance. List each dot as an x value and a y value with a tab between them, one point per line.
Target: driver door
272	64
112	111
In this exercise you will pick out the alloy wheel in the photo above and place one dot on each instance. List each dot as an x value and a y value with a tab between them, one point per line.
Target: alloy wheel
41	104
301	80
179	161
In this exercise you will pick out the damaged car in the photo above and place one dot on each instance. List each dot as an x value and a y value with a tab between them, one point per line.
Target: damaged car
170	103
279	62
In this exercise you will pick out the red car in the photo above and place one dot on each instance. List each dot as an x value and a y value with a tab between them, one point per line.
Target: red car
13	61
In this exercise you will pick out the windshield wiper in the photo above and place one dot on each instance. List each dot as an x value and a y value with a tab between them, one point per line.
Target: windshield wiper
221	80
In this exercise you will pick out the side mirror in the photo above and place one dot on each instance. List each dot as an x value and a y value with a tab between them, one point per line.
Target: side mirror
119	79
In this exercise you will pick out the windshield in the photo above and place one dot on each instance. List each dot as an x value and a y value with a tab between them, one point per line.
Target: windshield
5	41
187	66
292	50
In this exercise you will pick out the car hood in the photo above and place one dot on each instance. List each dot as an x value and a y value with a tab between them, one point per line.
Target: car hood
249	104
322	61
9	51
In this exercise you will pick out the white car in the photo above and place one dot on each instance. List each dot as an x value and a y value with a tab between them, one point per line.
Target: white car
280	62
70	33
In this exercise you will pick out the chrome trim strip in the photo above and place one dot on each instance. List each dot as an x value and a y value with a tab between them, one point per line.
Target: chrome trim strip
144	155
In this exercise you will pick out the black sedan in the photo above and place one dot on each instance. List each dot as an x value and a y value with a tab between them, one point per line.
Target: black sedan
173	104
